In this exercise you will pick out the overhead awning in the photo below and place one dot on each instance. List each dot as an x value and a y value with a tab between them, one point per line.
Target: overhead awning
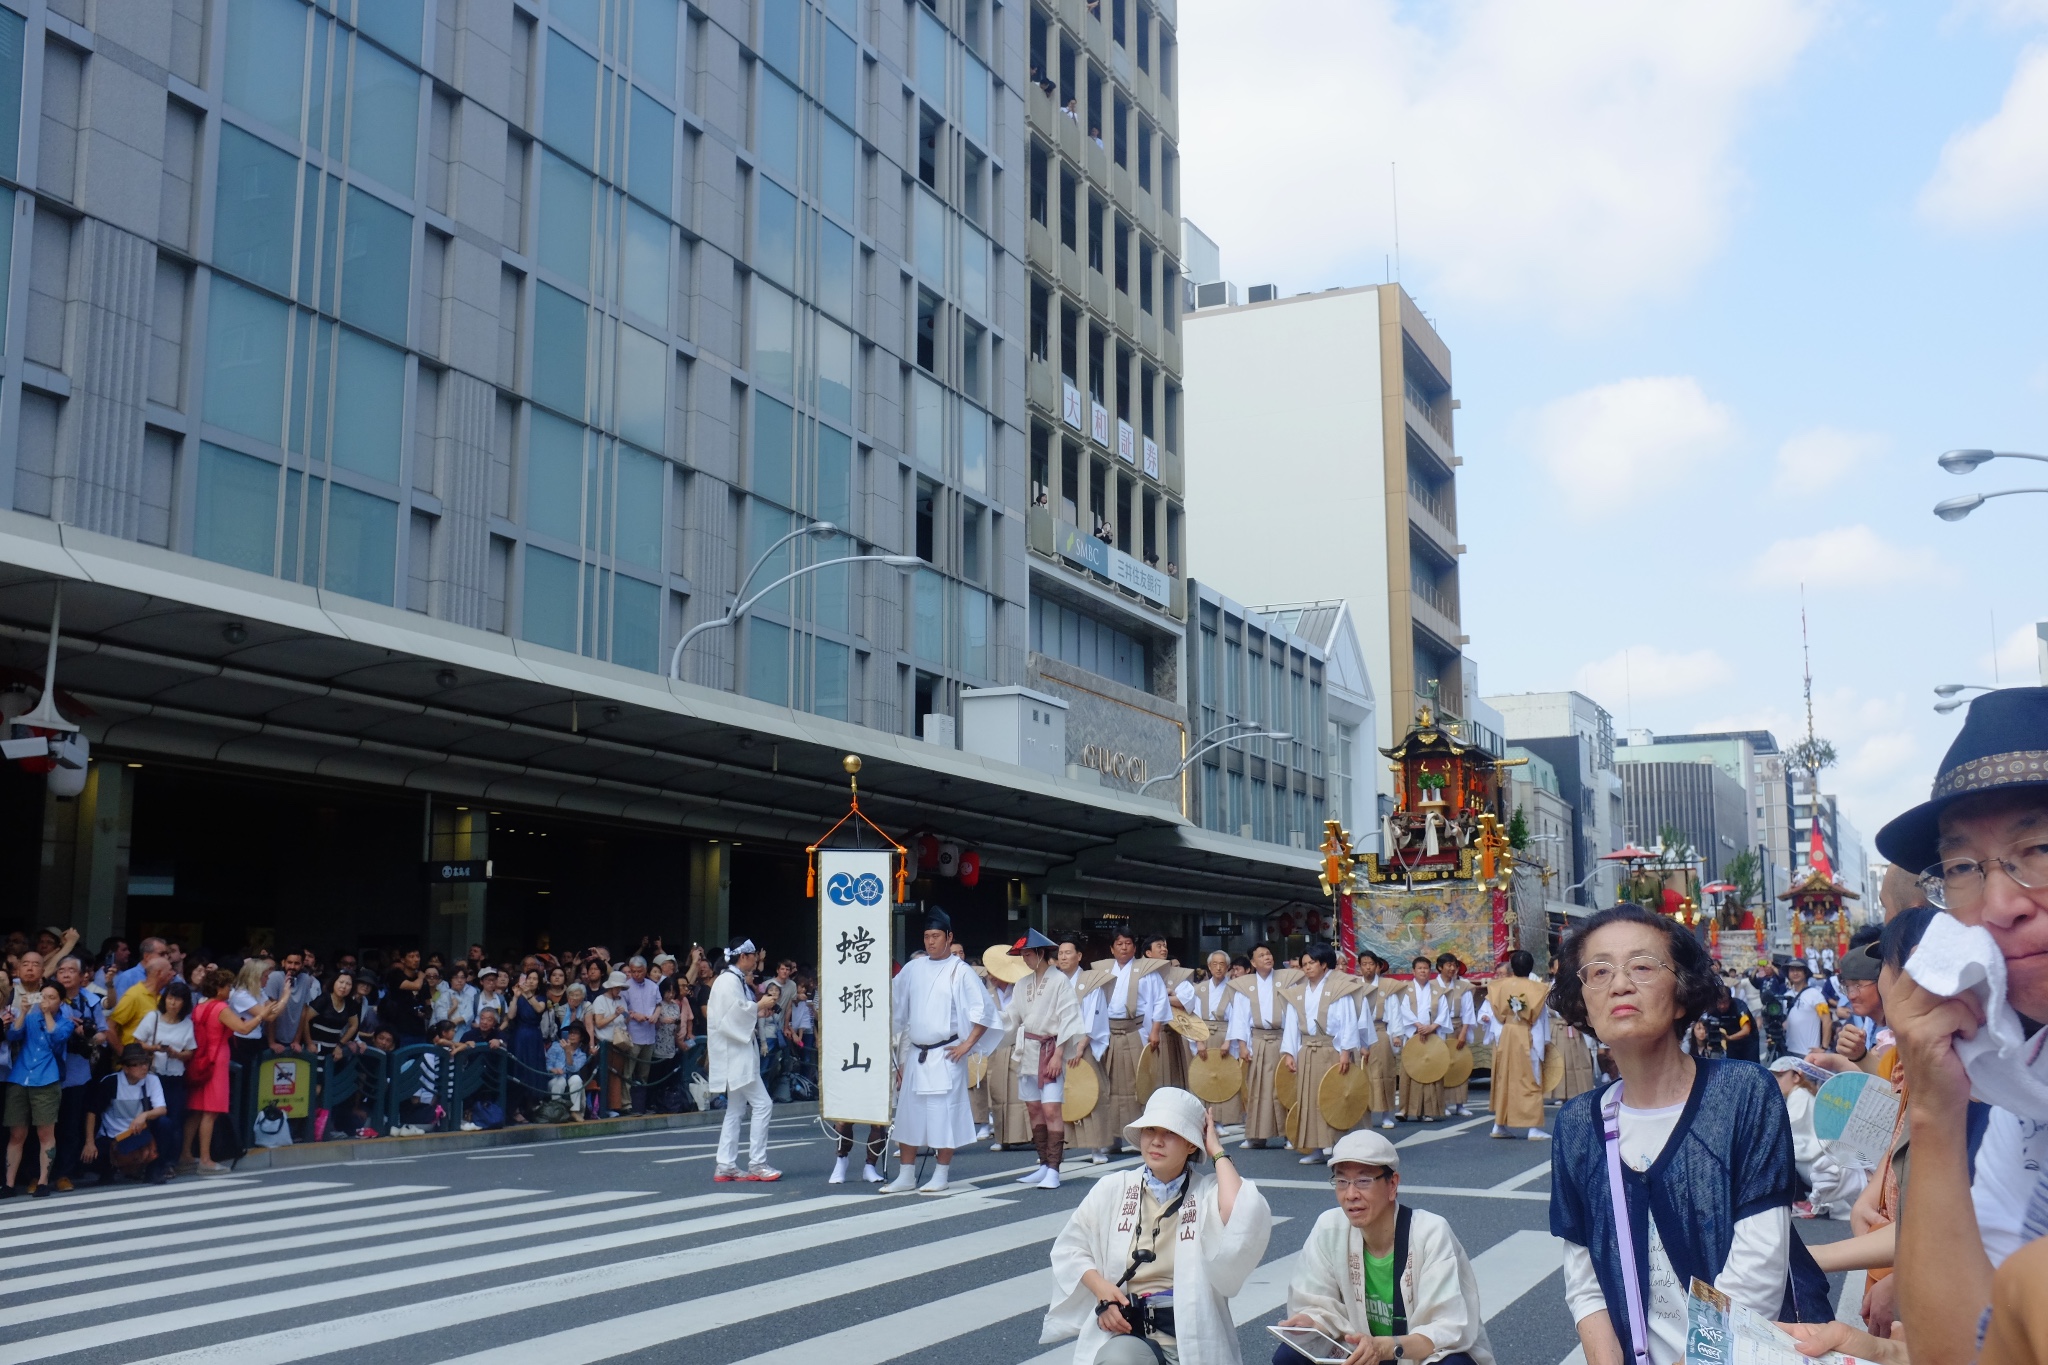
180	659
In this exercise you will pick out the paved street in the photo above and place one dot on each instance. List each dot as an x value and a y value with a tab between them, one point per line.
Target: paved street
622	1249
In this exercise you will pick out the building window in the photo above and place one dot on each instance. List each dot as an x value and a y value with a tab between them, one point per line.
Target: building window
1085	641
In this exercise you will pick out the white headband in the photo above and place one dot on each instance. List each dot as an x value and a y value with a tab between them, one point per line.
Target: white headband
746	946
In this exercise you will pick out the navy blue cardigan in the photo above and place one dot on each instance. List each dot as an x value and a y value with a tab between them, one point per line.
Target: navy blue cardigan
1730	1156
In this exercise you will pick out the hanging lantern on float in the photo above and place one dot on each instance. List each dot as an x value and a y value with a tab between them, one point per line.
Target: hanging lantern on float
970	868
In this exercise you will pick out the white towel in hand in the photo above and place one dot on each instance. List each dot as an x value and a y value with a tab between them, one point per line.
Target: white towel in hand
2006	1067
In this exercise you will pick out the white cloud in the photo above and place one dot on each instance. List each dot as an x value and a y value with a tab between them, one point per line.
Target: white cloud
1576	155
1614	444
1995	175
1845	557
1816	460
1646	673
2018	661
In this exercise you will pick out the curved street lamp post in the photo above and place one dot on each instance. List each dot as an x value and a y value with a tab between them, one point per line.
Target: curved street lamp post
742	607
1965	461
1210	741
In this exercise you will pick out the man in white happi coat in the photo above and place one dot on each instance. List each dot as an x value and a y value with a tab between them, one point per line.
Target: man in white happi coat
1228	1015
1424	1012
1043	1020
939	1012
1136	996
1257	1033
732	1015
1457	993
1090	1133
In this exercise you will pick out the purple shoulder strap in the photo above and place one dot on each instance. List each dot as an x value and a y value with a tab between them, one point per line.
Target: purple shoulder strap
1624	1231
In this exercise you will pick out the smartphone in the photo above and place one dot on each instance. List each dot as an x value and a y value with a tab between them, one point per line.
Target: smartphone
1317	1345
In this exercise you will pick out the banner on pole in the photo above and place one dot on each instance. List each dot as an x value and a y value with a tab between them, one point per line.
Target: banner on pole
854	1062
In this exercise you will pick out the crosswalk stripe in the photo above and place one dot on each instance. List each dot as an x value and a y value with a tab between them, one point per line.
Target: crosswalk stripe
1515	1182
663	1326
1513	1266
234	1204
1264	1292
82	1208
915	1329
12	1216
208	1281
250	1241
390	1324
708	1155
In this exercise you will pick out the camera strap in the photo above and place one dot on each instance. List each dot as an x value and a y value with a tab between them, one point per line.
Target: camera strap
1166	1218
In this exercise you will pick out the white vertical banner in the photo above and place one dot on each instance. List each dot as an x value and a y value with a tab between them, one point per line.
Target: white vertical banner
854	905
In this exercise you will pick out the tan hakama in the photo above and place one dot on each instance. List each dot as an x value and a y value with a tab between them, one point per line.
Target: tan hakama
1212	1003
1120	1065
1380	1069
1263	1117
1007	1113
1517	1088
1316	1057
1461	1001
1093	1133
1579	1073
1173	1060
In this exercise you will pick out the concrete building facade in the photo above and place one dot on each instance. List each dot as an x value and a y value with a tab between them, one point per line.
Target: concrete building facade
392	383
1349	759
1707	806
1575	735
1342	401
1102	399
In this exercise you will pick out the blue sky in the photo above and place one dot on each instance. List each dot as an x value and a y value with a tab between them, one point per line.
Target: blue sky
1719	281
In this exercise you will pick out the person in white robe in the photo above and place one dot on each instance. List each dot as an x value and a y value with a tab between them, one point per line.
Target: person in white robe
1424	1012
1393	1282
1322	1031
1264	1024
1457	994
1135	993
939	1011
1178	1242
732	1016
1043	1017
1228	1015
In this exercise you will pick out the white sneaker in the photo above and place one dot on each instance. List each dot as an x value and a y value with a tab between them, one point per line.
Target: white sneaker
1388	1124
838	1176
1538	1135
870	1175
1049	1181
1312	1159
904	1183
1035	1176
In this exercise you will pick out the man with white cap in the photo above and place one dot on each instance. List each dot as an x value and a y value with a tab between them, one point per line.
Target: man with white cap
1043	1018
731	1015
1145	1269
1392	1282
939	1011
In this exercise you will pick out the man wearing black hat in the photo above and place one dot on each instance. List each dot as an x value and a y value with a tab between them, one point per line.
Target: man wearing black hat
1980	844
1046	1029
940	1010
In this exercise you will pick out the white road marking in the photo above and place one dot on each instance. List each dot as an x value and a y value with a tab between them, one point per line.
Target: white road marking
207	1281
1265	1291
1439	1134
502	1300
1849	1308
322	1232
89	1208
17	1215
1513	1266
915	1329
501	1156
707	1156
1515	1182
228	1204
662	1326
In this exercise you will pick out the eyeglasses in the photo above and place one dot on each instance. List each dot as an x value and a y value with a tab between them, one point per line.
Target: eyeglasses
1958	883
1363	1183
1642	969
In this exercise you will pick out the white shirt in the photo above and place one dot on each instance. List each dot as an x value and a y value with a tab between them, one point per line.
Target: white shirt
1344	1027
2011	1161
1151	992
154	1028
1094	1015
1759	1257
1802	1021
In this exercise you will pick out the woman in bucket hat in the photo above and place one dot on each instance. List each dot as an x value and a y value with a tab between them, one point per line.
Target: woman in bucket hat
1145	1269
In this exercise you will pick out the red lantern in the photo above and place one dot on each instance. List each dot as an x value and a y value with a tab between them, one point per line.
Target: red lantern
1286	926
970	868
926	846
1315	922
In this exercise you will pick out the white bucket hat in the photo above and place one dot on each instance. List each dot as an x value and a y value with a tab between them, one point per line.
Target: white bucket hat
1365	1149
1175	1110
617	978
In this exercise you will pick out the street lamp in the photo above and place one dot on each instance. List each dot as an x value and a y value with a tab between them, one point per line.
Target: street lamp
1952	698
1964	462
739	609
1208	742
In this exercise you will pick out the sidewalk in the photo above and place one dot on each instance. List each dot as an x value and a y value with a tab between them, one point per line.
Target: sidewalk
431	1144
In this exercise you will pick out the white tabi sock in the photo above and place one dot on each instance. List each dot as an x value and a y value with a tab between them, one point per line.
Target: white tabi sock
870	1174
905	1181
938	1180
838	1176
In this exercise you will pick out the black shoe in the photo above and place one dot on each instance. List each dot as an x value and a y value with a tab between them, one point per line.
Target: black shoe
8	1191
41	1191
159	1176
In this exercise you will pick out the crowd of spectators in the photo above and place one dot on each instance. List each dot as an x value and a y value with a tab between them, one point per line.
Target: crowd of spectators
125	1063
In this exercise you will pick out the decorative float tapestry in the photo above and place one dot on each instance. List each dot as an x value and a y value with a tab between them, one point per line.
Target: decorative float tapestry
1449	917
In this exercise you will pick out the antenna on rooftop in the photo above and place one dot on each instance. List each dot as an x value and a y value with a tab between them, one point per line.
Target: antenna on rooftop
1394	175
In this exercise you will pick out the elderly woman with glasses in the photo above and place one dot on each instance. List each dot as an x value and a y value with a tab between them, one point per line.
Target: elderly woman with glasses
1697	1152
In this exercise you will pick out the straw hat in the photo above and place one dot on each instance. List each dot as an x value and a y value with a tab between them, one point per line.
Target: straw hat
1173	1109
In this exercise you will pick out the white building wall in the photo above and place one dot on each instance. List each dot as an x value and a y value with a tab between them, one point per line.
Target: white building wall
1284	440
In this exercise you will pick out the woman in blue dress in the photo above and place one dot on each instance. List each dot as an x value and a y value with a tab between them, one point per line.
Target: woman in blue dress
1700	1148
529	1050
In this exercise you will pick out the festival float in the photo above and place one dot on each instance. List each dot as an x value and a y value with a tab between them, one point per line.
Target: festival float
1820	916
